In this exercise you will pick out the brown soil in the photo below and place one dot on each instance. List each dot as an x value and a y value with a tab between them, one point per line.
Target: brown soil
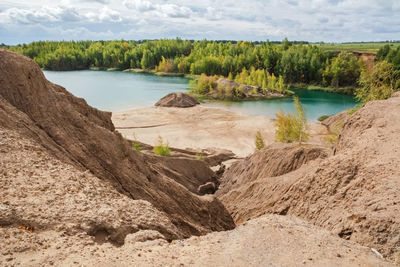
275	160
178	100
354	193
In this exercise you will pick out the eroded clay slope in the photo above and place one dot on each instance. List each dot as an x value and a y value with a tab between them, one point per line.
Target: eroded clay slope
275	160
83	136
355	193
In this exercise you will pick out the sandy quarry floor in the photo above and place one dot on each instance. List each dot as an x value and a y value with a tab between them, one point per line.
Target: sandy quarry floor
200	127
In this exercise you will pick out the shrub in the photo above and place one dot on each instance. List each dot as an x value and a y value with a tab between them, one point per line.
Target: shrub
205	84
199	156
161	148
259	141
165	65
323	117
291	127
135	145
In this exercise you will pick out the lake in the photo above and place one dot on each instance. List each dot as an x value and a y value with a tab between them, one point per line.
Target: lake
117	91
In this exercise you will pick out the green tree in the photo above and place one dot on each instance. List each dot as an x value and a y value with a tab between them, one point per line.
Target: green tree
379	83
280	85
343	70
147	59
383	52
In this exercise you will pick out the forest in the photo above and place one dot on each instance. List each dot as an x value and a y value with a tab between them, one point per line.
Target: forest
293	62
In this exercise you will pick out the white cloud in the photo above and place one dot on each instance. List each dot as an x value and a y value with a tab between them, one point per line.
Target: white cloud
140	5
98	1
213	14
42	15
163	10
312	20
106	14
175	11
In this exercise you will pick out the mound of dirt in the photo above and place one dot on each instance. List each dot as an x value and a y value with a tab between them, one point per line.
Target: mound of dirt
274	160
84	137
177	100
354	193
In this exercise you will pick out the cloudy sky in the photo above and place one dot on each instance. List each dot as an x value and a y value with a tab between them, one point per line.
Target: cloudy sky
24	21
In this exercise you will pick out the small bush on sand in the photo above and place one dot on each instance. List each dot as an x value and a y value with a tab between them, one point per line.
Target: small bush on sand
161	148
259	141
135	144
199	156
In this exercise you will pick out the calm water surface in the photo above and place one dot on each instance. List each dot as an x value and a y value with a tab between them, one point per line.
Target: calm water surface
315	103
116	91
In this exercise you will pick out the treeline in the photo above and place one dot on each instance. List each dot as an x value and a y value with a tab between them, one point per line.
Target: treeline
102	54
295	63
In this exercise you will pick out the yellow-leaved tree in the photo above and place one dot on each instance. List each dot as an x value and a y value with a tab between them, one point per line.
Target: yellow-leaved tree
291	127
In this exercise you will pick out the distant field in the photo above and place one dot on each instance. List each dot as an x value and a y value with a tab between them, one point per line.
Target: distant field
355	47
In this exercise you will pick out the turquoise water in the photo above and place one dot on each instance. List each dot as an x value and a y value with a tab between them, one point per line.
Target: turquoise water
116	91
315	103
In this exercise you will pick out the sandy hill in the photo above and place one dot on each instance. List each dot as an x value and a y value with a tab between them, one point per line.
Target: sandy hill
84	137
354	192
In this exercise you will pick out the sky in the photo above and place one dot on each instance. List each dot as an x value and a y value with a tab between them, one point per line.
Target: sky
24	21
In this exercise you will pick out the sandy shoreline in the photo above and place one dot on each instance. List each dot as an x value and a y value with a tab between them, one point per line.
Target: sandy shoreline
200	127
